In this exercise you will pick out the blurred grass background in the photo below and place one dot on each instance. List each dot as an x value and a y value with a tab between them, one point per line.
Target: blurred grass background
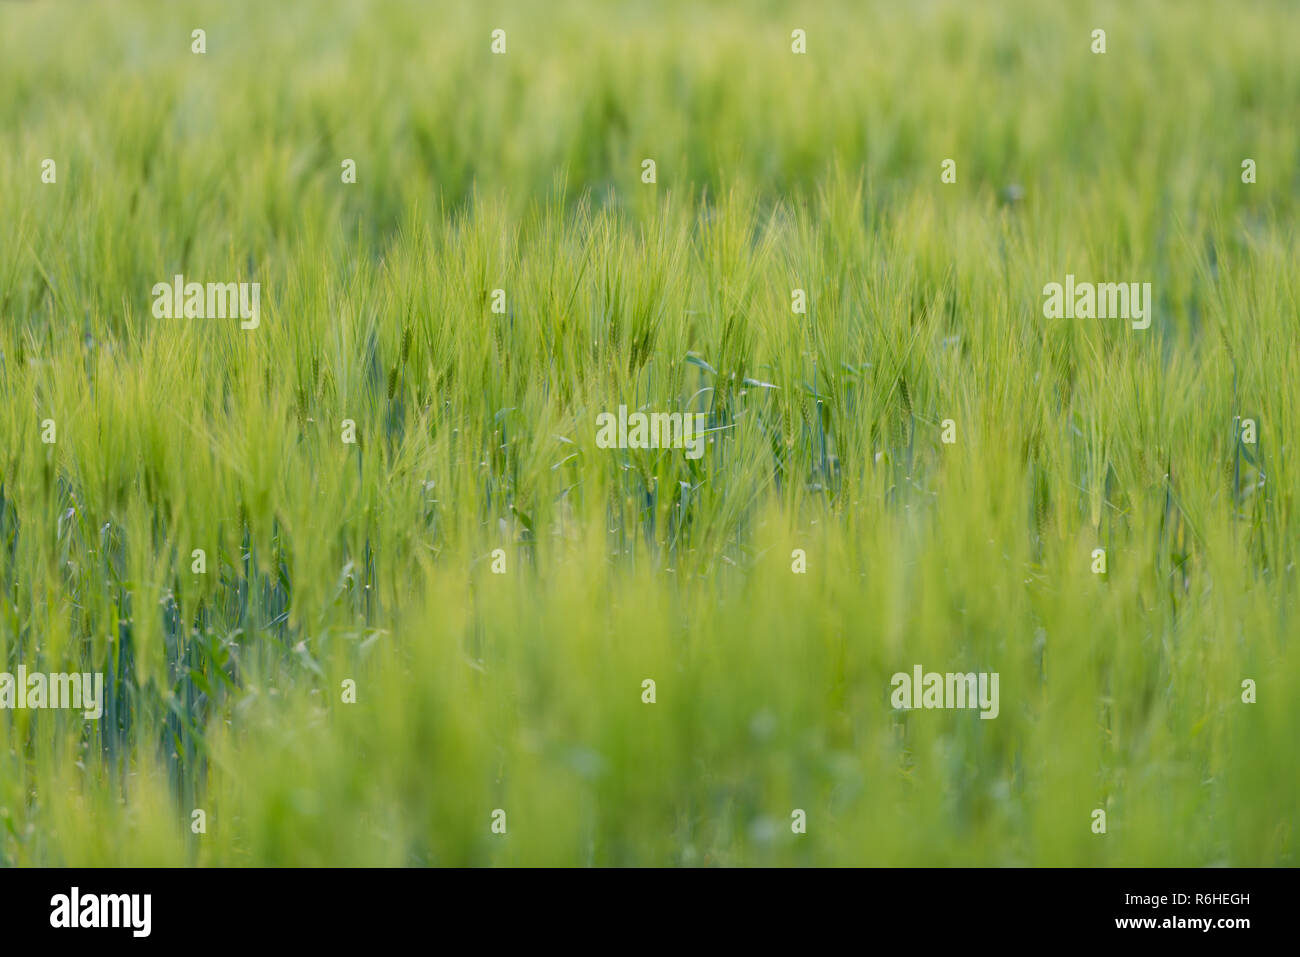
522	691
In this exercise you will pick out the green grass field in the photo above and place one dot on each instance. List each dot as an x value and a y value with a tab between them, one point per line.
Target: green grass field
334	568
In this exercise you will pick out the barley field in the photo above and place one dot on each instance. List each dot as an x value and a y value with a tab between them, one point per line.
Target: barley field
362	584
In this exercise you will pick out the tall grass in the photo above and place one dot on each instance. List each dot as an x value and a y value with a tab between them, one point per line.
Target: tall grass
372	562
